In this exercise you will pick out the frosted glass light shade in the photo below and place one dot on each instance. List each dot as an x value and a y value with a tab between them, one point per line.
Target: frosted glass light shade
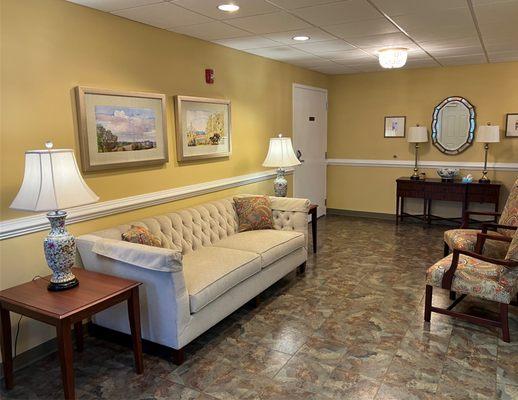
280	153
52	182
488	134
393	57
417	134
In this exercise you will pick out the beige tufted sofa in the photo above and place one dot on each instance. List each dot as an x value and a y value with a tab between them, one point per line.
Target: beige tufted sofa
205	270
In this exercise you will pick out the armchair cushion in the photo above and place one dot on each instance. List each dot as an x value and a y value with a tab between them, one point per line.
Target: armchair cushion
143	256
466	239
478	278
510	212
512	253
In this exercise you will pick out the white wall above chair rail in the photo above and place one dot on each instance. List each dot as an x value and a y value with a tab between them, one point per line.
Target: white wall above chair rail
353	162
25	225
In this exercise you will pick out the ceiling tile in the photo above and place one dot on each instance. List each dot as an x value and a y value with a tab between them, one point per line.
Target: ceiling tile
348	30
292	4
281	53
422	63
249	42
508	44
347	55
337	13
503	56
210	31
497	12
455	52
114	5
269	23
427	26
401	7
450	43
210	8
163	15
390	39
324	47
334	69
461	60
316	35
310	62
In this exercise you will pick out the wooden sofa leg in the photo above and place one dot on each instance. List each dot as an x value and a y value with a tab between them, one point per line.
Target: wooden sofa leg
446	249
505	322
178	356
428	303
453	295
301	268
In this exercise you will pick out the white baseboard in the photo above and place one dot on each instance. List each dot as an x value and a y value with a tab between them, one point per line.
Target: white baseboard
25	225
353	162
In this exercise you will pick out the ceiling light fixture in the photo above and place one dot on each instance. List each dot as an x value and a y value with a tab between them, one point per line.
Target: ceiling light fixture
301	38
393	57
228	7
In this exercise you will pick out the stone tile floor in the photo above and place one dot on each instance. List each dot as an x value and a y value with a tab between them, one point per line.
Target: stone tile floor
350	328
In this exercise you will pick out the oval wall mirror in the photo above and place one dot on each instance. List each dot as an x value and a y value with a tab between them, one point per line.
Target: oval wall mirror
453	125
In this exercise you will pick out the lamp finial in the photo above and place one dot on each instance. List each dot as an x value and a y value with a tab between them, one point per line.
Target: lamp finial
49	145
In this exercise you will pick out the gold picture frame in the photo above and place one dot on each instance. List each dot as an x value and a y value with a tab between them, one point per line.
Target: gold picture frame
203	128
119	129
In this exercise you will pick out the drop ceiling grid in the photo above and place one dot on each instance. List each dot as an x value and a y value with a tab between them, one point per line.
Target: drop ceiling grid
346	33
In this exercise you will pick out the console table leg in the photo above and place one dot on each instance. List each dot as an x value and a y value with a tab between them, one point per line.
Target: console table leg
78	331
6	347
397	210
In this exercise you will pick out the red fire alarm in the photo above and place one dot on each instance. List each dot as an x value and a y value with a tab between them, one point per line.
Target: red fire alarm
209	76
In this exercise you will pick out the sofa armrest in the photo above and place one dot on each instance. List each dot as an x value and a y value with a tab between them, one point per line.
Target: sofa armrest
140	255
290	214
164	300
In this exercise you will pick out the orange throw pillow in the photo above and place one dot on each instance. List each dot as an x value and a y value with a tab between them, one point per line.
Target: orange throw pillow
141	235
254	213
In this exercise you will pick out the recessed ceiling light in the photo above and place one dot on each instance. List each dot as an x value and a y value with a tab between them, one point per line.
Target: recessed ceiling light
301	38
228	7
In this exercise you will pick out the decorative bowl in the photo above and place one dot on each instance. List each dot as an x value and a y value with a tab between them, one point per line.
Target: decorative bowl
448	174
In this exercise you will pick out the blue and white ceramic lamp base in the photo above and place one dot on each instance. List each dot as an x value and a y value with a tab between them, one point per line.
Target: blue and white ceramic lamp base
280	184
60	252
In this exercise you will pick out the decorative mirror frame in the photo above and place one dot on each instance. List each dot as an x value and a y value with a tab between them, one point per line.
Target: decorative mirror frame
472	125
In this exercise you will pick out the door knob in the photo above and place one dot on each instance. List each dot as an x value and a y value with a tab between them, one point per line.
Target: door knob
299	156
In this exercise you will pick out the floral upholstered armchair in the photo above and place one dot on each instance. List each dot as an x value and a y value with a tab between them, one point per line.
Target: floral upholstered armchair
470	273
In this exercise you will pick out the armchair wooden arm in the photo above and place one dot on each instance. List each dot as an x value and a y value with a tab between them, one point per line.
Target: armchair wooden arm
494	226
448	275
482	237
465	217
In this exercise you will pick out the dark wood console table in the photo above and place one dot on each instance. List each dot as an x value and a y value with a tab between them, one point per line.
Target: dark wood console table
435	189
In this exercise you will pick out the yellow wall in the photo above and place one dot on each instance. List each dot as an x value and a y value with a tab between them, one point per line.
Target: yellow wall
50	46
357	107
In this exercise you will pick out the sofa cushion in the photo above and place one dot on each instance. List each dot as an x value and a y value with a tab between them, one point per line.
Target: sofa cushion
211	271
254	213
270	244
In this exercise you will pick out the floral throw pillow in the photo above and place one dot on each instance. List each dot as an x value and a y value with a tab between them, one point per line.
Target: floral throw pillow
254	213
141	235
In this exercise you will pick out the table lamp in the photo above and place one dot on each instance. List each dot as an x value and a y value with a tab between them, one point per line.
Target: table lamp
487	134
280	155
52	182
417	134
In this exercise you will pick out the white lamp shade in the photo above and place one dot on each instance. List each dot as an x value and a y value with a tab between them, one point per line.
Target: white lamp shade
280	153
488	134
52	182
417	134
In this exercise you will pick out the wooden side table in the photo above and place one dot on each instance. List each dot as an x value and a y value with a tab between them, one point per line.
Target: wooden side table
313	212
95	293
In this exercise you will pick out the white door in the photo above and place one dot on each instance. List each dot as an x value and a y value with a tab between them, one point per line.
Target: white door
310	144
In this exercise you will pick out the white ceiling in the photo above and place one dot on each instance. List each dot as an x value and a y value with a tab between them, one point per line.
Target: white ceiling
345	35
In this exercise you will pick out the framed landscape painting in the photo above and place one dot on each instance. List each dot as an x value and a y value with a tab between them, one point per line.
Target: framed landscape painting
203	128
395	127
511	125
121	129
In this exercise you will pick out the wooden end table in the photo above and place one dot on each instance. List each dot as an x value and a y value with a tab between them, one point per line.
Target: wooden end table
95	293
313	212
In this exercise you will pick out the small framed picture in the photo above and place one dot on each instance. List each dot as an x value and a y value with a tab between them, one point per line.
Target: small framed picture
395	127
203	128
511	125
121	129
